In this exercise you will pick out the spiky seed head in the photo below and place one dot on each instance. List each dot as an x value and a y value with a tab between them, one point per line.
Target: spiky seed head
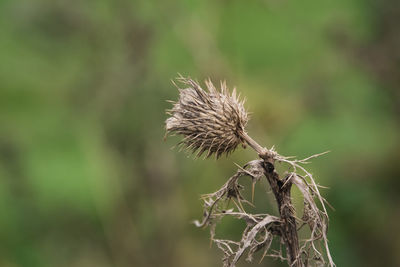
212	121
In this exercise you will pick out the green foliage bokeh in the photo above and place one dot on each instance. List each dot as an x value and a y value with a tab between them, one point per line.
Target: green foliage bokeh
85	176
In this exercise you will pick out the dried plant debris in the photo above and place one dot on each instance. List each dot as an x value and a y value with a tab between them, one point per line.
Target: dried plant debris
262	228
213	122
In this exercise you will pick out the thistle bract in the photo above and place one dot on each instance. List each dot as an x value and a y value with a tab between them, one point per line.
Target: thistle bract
212	121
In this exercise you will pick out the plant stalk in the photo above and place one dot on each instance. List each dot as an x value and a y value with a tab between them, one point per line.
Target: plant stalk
282	195
281	190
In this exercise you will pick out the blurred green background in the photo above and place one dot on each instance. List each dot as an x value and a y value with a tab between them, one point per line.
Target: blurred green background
85	176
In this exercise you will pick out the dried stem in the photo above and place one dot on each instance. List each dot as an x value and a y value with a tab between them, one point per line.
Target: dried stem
252	143
281	190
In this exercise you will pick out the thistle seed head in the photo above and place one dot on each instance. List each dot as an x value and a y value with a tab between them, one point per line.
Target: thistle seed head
211	121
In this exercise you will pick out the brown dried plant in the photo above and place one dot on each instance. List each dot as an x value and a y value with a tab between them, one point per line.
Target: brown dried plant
214	121
211	122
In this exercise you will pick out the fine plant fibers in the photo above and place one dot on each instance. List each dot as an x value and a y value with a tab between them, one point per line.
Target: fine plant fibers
212	122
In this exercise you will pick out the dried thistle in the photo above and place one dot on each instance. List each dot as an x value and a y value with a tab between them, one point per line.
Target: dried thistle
214	121
211	121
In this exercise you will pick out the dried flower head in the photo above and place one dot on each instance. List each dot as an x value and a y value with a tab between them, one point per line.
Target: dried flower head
211	121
